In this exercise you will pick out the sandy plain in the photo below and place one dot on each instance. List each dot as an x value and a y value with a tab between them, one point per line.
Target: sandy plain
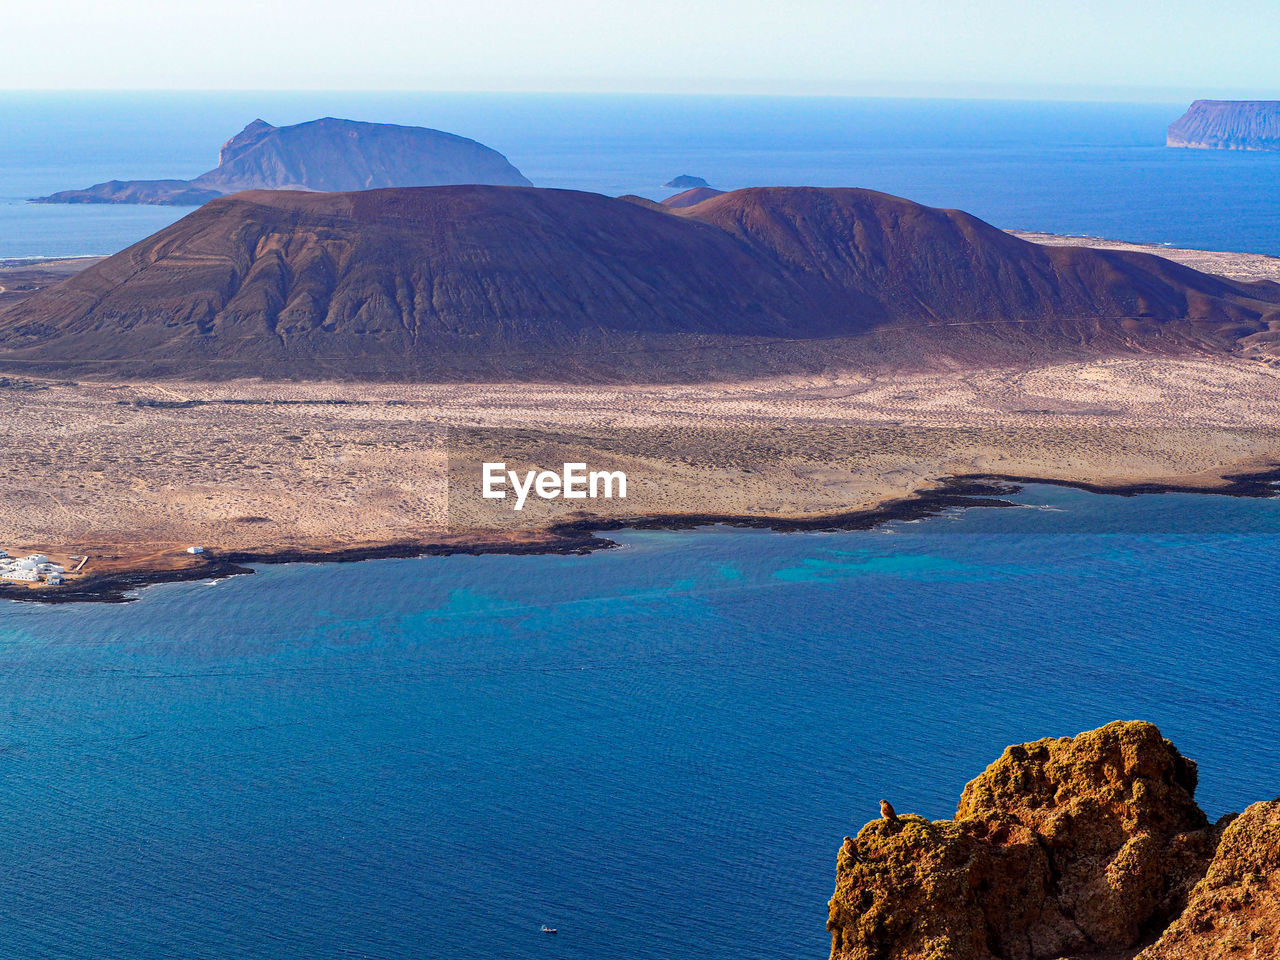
131	474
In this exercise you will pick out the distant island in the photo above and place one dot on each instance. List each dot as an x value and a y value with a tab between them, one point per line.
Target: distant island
322	155
685	181
1228	125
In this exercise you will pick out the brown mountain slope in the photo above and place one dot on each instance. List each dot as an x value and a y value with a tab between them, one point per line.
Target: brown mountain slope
921	263
498	282
693	195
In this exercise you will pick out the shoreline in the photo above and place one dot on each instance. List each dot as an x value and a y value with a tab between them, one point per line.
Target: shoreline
581	537
272	472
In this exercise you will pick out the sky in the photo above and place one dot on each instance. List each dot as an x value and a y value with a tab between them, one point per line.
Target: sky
1081	49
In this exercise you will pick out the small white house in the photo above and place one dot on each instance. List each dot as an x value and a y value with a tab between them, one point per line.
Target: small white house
195	549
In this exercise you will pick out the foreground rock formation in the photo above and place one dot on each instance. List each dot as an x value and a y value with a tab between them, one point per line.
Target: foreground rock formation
1083	847
1234	912
500	283
327	154
1228	125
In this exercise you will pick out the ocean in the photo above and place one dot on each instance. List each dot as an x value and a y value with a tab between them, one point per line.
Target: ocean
1097	169
655	749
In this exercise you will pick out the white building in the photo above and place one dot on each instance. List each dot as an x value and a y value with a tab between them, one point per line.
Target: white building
31	569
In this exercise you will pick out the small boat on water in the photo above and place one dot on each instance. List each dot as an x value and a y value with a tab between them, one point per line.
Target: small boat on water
546	929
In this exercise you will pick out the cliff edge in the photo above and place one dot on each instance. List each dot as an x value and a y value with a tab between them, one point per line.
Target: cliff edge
1228	125
1081	847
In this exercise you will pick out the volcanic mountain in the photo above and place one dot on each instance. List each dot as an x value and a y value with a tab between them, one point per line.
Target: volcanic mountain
325	154
687	198
480	282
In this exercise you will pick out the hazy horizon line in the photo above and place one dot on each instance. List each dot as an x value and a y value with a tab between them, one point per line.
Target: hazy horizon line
1069	93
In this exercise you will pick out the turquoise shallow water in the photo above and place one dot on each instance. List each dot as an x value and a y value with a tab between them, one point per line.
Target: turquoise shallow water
655	749
1079	168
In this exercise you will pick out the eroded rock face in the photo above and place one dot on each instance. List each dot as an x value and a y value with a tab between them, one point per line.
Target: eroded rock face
1228	125
1234	912
1064	847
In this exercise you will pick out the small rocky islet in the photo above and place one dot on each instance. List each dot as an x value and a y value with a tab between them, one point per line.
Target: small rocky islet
1080	848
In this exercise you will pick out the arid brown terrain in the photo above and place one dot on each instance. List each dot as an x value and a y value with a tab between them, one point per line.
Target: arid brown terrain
19	279
138	471
501	284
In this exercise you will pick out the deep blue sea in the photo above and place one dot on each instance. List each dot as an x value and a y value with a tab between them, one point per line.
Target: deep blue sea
656	749
1081	168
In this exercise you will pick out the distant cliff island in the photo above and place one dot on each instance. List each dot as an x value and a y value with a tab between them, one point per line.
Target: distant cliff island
1228	125
686	181
324	155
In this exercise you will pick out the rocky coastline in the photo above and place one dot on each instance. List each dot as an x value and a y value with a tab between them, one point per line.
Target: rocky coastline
584	535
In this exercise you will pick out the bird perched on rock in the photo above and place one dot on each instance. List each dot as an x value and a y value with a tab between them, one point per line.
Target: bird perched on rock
887	811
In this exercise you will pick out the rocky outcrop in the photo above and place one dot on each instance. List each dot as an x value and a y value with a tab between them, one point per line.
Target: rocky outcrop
327	154
1228	125
1078	847
1234	912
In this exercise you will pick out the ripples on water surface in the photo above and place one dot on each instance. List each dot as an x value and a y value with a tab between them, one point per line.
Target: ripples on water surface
656	749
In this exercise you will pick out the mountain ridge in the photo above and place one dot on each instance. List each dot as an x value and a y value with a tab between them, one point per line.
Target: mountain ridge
509	282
